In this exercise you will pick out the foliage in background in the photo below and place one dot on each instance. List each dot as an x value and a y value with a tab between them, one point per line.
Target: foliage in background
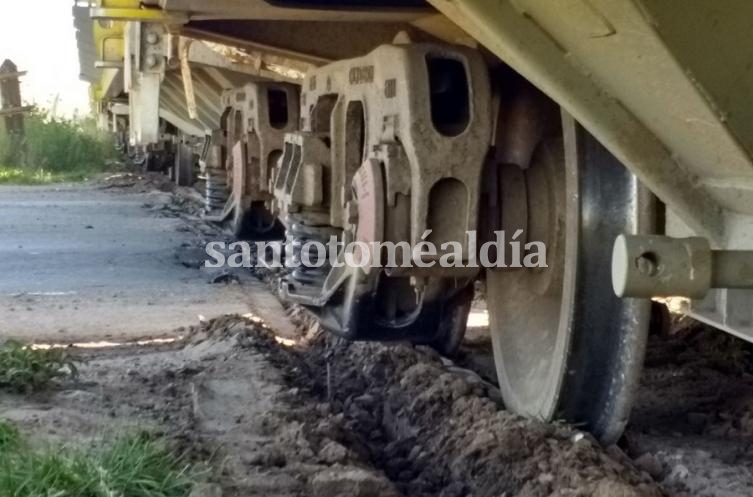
55	149
28	176
133	466
25	369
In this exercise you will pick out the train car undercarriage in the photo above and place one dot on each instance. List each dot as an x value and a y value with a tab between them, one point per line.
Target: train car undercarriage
389	123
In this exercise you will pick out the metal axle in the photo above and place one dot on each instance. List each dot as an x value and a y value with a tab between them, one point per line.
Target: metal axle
661	266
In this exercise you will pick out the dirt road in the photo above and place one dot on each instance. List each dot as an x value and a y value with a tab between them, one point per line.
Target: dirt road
81	262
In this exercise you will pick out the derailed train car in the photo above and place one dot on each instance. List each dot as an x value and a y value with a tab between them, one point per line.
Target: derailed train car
612	131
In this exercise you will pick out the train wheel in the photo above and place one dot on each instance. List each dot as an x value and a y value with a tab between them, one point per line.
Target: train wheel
184	165
256	223
564	346
453	323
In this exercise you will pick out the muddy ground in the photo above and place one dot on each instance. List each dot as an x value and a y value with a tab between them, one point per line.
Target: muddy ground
279	408
387	420
692	423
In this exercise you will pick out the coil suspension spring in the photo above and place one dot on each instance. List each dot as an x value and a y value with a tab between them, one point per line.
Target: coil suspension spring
216	189
313	270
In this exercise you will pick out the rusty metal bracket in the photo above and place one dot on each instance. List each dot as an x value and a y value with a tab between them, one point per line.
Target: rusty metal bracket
185	72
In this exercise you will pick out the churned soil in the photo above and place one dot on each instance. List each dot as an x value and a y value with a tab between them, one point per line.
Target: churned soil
318	416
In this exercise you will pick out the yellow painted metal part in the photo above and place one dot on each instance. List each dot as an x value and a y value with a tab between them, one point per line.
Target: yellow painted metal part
603	61
109	81
137	14
108	40
132	10
109	18
110	47
119	4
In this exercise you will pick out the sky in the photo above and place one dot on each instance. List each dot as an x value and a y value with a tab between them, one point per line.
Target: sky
38	36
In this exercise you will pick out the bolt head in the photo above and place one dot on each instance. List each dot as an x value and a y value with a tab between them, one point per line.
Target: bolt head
647	265
152	38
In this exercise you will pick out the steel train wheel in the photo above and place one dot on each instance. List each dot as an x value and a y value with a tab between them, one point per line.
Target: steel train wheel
453	323
183	167
564	346
256	224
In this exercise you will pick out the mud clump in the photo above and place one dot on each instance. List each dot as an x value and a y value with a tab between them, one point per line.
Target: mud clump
351	482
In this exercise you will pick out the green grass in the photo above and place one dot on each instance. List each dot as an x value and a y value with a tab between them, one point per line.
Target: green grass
54	150
23	369
30	176
133	466
9	437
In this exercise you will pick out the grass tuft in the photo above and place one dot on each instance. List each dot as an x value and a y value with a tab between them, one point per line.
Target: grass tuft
55	150
133	466
24	369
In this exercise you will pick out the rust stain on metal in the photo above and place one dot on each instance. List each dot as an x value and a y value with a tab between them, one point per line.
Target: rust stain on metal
260	61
